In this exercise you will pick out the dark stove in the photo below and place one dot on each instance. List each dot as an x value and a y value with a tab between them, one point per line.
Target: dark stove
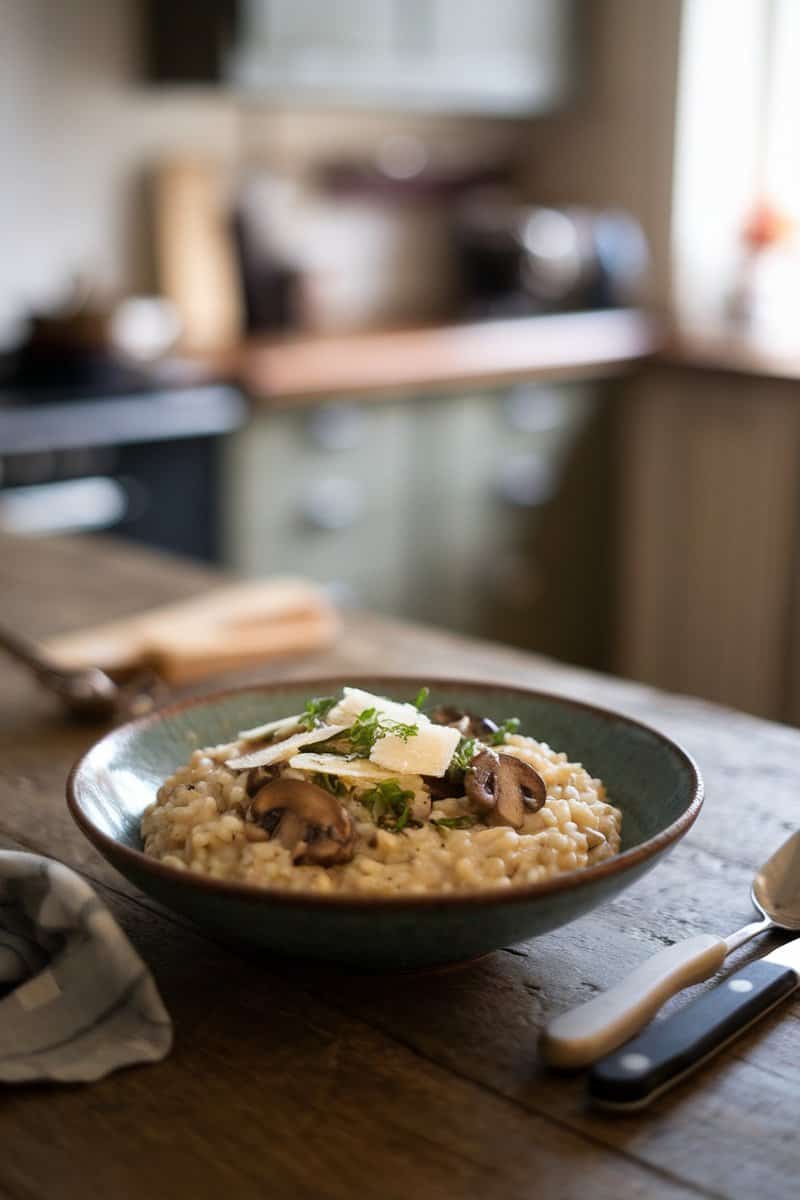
93	446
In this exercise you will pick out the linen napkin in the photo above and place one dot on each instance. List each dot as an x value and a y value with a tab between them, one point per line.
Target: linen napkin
82	1002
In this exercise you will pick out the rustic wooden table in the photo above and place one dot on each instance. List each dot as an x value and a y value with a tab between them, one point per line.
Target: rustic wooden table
291	1081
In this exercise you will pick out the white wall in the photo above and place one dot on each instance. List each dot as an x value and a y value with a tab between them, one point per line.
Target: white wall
77	131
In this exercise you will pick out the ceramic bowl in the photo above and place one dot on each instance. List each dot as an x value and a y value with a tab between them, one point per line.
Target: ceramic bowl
653	781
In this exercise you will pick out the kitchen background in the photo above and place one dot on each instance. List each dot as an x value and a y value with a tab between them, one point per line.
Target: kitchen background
478	313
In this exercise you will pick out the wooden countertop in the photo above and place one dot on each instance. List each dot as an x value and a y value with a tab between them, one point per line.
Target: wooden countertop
715	349
289	1081
285	370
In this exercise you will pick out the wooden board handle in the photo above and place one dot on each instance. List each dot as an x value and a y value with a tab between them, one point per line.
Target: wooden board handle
229	627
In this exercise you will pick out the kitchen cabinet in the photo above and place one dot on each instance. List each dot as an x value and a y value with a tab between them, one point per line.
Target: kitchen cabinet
709	530
446	509
507	57
320	492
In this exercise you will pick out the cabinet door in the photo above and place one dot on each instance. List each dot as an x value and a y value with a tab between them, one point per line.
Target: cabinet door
504	56
447	510
488	478
530	596
708	533
508	52
453	462
322	492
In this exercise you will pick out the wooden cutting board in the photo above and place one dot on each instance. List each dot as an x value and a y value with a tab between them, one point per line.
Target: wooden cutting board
195	254
230	627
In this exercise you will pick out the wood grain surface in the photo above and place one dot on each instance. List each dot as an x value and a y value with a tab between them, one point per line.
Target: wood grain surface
284	370
295	1081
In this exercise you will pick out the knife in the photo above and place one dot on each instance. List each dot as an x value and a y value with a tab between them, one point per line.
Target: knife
671	1049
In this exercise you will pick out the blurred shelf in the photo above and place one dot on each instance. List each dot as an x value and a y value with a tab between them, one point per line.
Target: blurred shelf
721	350
586	345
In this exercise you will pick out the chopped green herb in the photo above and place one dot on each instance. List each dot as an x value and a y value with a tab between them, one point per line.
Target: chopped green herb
370	725
331	783
364	731
422	696
465	822
509	726
462	755
316	711
388	805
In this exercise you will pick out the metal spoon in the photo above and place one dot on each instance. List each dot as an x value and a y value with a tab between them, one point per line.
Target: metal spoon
594	1029
86	692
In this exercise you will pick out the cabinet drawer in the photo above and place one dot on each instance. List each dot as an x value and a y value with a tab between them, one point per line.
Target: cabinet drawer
429	507
326	505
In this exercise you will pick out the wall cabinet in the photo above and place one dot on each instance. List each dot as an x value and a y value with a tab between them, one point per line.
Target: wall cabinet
464	511
506	57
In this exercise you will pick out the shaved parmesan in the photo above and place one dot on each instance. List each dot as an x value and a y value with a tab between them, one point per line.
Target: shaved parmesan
427	753
354	768
354	701
284	725
280	751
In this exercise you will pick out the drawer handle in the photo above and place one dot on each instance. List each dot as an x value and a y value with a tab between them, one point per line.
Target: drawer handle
334	504
337	427
535	410
526	481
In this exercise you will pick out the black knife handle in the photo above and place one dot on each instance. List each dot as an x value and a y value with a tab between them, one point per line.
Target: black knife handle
667	1050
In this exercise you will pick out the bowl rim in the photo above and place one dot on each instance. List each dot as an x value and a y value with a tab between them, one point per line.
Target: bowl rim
651	848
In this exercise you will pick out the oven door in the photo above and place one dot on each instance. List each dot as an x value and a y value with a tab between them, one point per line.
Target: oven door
147	468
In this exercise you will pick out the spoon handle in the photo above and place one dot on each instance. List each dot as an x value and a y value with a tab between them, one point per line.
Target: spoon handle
22	650
592	1030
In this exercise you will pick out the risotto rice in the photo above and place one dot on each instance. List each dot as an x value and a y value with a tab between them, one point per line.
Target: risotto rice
397	833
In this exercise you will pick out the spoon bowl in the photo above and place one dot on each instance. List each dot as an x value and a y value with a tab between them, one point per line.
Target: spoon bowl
776	887
87	693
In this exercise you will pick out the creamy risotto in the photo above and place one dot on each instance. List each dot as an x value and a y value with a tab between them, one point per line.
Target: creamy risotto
362	794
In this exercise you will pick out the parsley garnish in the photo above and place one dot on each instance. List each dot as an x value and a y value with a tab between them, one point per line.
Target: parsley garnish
509	726
388	805
358	740
422	696
370	725
316	711
331	783
462	755
465	822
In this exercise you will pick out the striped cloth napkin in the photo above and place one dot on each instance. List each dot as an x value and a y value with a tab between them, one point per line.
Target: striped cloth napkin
77	1001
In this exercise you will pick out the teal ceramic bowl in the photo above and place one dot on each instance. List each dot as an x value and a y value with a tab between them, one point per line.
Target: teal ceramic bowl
653	781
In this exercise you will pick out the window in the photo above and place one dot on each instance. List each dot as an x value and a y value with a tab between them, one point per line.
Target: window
736	145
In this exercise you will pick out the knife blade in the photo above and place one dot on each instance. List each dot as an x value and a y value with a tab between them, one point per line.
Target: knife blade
669	1050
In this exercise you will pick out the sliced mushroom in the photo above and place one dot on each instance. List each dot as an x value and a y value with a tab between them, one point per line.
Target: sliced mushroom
446	786
306	820
504	787
466	723
257	777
